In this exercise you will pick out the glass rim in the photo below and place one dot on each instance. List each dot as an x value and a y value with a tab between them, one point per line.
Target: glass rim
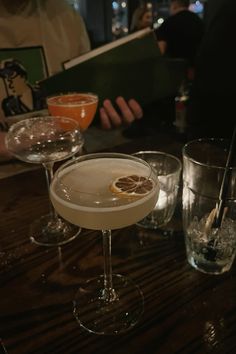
158	152
44	117
185	153
92	155
71	93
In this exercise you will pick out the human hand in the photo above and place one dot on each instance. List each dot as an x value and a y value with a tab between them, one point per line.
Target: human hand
129	111
4	153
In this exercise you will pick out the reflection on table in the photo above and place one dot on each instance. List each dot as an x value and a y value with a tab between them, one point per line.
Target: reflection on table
185	311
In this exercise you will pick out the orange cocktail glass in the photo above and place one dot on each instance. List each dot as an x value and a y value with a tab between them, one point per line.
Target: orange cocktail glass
79	106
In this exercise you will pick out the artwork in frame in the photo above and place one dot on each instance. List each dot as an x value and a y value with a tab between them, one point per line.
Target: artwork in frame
20	71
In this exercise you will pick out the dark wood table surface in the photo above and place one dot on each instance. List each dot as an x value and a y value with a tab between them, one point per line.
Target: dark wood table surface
185	311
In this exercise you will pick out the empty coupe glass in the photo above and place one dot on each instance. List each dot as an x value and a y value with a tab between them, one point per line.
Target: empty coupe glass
45	140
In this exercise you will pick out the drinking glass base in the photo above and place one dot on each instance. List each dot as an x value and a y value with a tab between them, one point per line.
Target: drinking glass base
152	222
52	232
209	267
97	315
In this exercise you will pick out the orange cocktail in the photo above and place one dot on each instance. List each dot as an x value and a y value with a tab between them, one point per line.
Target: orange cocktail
79	106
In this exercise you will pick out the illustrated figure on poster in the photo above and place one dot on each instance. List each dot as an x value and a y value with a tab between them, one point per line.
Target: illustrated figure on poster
20	96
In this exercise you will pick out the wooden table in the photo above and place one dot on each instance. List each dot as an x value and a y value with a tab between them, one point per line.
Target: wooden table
185	311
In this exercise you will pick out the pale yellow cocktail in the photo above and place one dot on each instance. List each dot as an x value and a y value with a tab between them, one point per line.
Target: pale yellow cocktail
106	191
92	203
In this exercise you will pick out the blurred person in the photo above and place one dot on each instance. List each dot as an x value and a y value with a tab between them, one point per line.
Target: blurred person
212	98
55	27
51	25
180	35
211	104
141	18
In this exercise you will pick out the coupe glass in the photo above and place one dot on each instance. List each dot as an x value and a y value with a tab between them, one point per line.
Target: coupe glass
79	106
46	140
106	191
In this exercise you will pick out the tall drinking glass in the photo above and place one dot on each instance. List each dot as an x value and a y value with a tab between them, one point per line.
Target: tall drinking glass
45	140
210	249
106	191
79	106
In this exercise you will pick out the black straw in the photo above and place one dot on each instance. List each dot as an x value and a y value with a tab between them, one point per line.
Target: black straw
225	183
2	348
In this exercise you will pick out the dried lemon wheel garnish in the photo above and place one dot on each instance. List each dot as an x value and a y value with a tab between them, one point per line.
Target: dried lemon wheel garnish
132	186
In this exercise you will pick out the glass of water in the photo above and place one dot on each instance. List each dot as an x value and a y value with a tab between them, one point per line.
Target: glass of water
209	249
168	170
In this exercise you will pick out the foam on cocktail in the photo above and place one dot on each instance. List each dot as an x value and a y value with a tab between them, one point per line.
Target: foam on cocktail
84	196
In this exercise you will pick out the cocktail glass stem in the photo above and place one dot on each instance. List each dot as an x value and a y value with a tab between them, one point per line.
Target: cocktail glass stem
49	176
50	229
109	293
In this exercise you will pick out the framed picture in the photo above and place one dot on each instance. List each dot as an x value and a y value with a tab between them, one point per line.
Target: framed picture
32	58
20	71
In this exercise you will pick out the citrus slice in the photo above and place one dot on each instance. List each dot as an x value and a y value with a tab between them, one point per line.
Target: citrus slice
132	186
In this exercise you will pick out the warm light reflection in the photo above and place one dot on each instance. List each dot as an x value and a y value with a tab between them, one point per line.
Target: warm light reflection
188	198
211	334
83	113
162	200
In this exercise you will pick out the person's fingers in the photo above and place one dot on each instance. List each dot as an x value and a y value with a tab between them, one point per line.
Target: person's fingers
105	121
4	126
136	108
4	153
114	117
127	114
